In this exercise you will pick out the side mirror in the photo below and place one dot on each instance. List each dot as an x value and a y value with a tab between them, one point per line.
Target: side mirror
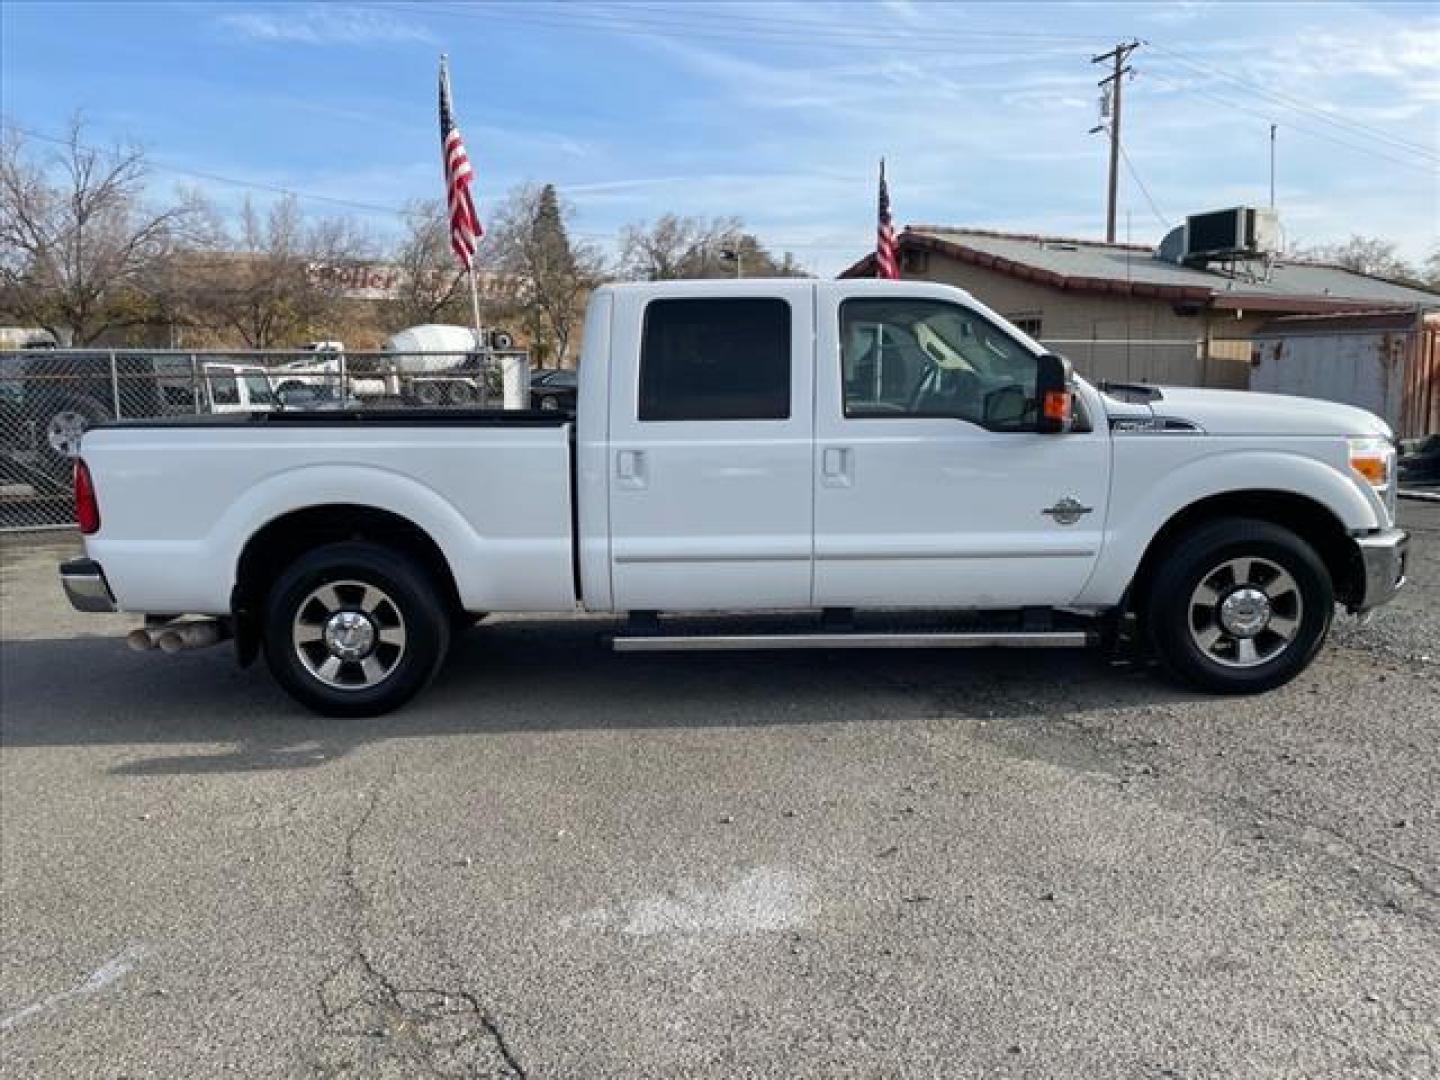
1054	395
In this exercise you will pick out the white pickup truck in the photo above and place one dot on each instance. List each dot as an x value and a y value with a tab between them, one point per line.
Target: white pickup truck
887	463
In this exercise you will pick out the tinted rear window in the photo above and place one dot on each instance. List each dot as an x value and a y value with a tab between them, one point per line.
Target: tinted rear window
715	360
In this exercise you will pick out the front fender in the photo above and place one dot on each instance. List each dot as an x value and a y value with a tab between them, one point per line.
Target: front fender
1151	487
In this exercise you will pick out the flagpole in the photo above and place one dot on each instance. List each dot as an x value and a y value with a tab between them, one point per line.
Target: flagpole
480	349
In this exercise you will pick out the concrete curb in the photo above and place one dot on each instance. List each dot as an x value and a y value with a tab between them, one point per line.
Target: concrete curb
1421	496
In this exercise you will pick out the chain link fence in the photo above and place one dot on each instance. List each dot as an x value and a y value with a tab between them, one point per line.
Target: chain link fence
49	397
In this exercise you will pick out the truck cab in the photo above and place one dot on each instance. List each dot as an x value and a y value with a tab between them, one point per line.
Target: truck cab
829	445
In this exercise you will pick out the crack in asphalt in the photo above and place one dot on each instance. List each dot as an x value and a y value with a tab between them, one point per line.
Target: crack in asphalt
443	1032
1241	807
1058	717
1418	881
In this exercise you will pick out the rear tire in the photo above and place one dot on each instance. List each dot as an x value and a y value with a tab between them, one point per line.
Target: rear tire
1239	607
354	629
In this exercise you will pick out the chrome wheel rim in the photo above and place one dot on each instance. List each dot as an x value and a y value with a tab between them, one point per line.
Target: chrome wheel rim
64	430
349	635
1245	612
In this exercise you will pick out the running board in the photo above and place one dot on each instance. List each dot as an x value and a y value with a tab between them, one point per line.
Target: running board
988	639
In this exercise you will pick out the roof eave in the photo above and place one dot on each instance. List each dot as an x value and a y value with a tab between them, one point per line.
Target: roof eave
1306	305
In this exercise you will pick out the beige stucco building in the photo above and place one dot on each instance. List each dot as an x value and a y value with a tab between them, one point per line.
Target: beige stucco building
1121	312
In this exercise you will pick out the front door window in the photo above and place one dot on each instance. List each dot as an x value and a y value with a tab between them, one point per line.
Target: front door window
916	357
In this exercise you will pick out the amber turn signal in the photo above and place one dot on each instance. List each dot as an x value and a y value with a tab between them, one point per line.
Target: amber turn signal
1373	459
1058	405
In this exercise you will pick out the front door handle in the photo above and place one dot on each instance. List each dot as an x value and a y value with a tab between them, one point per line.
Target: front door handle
630	468
837	466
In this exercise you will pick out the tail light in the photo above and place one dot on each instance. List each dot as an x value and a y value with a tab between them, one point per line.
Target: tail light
87	507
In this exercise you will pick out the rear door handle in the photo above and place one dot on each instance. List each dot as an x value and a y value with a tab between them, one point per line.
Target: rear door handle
630	468
837	464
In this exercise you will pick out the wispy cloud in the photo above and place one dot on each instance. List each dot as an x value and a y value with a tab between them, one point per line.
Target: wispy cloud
329	24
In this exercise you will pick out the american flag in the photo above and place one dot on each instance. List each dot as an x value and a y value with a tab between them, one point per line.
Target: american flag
887	252
465	227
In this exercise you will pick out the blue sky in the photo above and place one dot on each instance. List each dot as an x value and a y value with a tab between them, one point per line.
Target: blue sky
773	111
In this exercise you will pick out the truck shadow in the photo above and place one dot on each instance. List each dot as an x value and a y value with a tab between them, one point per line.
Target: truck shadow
526	676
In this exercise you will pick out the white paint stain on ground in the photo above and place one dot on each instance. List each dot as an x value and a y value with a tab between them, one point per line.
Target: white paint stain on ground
764	900
112	970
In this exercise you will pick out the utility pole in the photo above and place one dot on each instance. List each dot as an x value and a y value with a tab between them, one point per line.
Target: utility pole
1115	82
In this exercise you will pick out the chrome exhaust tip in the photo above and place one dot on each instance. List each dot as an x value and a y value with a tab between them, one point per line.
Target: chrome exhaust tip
200	634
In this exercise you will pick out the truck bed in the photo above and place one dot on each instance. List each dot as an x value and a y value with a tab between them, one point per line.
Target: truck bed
181	497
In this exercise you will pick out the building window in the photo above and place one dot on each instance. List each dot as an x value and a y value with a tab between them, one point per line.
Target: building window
914	262
1027	322
715	360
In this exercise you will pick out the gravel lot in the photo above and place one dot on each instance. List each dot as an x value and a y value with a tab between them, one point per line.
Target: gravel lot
566	863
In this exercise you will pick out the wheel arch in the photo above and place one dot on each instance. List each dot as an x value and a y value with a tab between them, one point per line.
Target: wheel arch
285	538
1309	519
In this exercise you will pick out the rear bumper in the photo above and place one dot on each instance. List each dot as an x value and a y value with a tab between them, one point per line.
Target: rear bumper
1383	557
86	587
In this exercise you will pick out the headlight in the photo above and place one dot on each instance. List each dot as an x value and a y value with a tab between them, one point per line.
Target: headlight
1374	459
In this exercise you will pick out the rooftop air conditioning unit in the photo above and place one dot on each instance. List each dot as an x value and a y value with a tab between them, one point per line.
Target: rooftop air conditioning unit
1242	232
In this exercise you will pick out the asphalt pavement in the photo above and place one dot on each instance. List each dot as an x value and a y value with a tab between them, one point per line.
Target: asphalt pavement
566	863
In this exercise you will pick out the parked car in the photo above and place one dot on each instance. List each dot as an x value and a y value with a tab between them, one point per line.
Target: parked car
554	390
829	449
1420	461
51	396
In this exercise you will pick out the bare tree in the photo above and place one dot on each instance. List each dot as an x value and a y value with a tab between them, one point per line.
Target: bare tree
1364	255
81	250
431	279
270	285
530	244
690	247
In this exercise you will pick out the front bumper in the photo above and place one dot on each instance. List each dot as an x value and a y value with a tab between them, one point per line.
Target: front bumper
86	587
1382	556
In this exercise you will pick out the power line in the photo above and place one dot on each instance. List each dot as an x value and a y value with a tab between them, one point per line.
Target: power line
639	21
1134	175
1290	125
256	185
724	9
1354	127
734	31
810	27
671	17
375	208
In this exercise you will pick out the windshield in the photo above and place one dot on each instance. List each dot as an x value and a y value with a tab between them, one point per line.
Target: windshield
259	388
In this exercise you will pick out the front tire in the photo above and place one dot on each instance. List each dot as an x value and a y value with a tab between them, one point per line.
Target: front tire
1239	607
354	629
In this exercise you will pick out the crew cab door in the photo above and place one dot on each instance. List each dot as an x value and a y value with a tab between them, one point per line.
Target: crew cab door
711	442
930	492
